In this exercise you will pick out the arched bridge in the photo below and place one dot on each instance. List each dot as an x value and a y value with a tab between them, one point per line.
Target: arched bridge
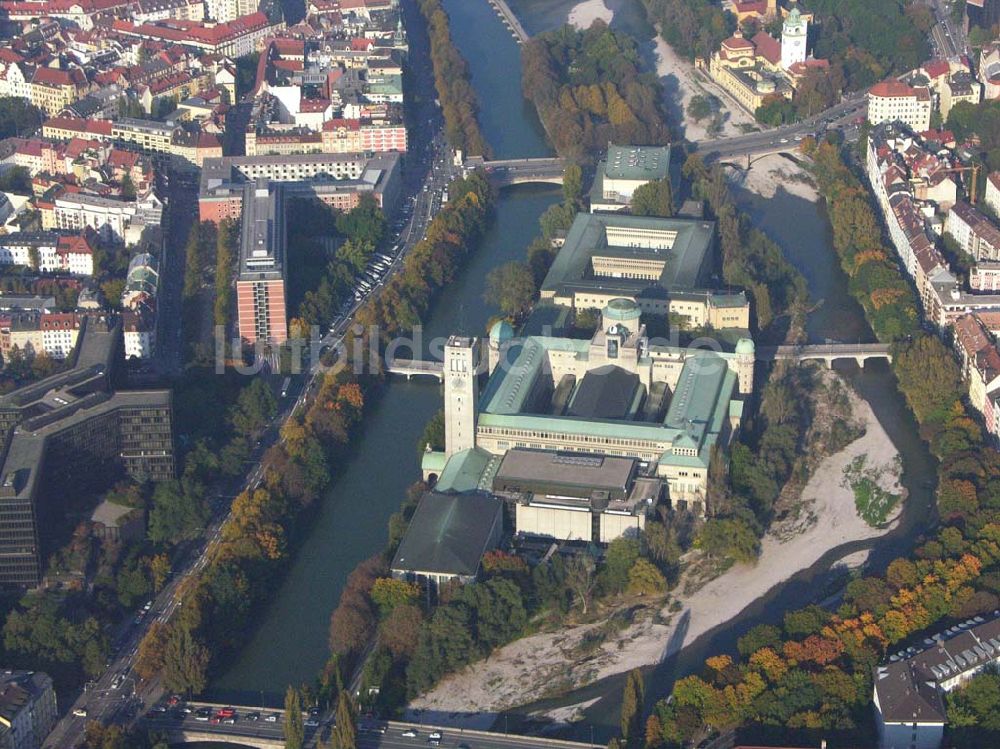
504	172
827	352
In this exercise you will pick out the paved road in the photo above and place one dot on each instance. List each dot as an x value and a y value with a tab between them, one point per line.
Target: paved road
384	734
852	107
947	37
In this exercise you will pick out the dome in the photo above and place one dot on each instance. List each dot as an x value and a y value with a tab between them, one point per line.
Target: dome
621	310
744	346
501	332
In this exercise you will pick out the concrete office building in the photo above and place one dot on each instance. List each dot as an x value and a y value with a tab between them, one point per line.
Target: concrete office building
27	709
662	264
614	395
260	287
625	169
576	497
72	430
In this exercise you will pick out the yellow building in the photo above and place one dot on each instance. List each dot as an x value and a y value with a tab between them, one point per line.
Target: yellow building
750	69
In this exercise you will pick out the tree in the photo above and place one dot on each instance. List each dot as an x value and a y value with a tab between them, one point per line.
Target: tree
654	199
699	107
149	659
128	188
295	730
580	578
185	662
175	514
17	180
632	701
364	224
573	184
511	287
387	593
18	117
644	579
159	568
345	729
622	553
400	631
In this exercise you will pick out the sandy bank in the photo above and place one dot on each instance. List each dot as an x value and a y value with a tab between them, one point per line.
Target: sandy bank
772	172
584	14
548	664
681	82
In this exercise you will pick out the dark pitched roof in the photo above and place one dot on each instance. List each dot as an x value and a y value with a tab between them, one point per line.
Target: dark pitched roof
449	533
604	393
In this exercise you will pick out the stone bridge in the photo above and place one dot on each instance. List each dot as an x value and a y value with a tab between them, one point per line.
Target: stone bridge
505	172
827	352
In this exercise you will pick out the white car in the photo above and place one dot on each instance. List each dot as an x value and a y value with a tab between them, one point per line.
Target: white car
272	718
80	712
410	734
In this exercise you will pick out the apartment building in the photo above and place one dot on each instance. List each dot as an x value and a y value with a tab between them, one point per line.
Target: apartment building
973	232
892	100
48	252
909	689
236	38
338	180
28	710
52	89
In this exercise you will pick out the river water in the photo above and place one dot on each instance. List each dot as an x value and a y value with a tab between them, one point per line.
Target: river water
290	644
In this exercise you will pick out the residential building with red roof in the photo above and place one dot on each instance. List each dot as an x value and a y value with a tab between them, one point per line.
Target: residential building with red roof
892	100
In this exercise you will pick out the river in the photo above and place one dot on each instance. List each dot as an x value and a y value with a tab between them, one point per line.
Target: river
290	644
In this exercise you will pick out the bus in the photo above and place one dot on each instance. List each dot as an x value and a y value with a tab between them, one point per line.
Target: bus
284	387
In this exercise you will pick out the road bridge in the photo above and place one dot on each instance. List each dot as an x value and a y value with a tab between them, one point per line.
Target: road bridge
505	172
261	734
827	352
510	20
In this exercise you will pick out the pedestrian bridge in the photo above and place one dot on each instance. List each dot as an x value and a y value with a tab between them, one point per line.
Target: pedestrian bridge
510	20
827	352
415	367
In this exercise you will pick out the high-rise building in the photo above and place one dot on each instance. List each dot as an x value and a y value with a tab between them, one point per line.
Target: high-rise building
260	289
73	432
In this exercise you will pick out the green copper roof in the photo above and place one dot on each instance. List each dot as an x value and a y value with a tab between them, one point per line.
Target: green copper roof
637	162
433	461
462	471
686	260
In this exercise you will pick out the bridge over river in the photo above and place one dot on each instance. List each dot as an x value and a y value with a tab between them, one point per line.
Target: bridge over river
827	352
253	730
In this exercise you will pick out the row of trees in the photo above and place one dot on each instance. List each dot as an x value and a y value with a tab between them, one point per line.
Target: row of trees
589	90
244	566
814	672
888	299
750	259
435	260
417	644
454	87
